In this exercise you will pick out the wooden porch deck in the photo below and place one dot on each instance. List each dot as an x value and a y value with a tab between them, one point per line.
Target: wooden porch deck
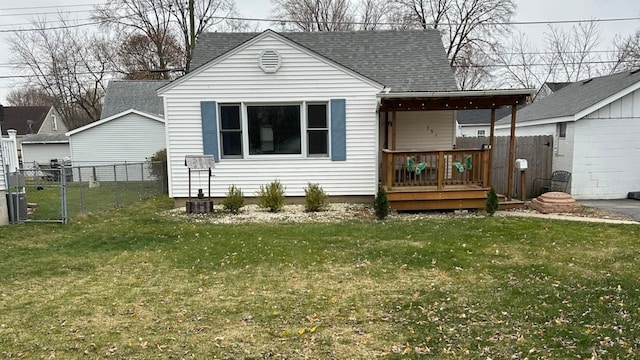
444	186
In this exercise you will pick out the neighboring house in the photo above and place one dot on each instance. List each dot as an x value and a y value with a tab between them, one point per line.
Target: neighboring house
477	122
41	149
343	109
131	136
596	129
4	208
8	164
131	128
549	88
28	120
33	120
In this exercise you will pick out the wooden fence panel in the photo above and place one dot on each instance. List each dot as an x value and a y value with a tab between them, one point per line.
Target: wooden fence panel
537	150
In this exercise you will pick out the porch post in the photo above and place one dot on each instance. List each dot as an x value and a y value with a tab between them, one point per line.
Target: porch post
491	144
394	125
512	152
386	130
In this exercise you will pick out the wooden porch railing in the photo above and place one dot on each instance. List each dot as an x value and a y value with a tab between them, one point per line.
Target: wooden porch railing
435	168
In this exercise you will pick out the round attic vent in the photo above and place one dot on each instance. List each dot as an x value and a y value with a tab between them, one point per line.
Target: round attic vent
269	61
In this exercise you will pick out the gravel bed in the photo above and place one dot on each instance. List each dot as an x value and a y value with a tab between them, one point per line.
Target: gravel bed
337	212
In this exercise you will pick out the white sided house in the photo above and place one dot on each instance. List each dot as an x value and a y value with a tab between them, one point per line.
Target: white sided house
307	108
38	149
596	129
128	137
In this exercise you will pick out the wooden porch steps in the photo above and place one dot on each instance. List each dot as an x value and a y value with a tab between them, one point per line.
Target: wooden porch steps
510	205
456	198
409	199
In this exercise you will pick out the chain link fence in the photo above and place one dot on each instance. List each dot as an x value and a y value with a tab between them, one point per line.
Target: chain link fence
58	193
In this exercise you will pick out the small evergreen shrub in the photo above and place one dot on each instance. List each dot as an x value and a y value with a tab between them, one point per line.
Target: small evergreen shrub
271	196
315	199
234	200
492	204
158	168
381	204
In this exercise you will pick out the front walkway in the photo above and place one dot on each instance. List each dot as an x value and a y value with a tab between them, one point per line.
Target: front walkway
629	207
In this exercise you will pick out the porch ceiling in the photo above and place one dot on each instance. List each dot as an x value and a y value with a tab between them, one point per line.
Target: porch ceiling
456	100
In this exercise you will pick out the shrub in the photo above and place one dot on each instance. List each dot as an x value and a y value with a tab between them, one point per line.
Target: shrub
158	167
492	204
271	196
315	199
234	200
381	204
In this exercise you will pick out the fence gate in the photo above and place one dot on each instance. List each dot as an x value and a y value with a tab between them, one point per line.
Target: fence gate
537	150
38	195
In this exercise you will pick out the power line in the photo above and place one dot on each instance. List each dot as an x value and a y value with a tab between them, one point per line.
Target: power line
47	13
49	7
51	28
507	23
546	22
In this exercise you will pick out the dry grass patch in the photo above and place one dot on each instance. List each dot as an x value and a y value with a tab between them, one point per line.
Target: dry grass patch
135	284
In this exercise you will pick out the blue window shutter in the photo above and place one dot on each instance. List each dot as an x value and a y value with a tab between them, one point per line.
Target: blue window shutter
338	130
209	114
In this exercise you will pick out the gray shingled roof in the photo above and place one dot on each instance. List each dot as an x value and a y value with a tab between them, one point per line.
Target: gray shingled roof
480	116
403	60
141	95
24	119
45	138
576	97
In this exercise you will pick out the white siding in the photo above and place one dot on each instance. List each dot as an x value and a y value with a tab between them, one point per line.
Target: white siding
606	151
425	130
545	129
130	138
472	130
47	125
43	153
302	77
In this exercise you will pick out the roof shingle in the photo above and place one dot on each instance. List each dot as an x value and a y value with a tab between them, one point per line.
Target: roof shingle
24	119
141	95
402	60
576	97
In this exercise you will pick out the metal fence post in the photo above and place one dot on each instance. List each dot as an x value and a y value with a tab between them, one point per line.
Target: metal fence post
63	195
82	209
142	180
115	184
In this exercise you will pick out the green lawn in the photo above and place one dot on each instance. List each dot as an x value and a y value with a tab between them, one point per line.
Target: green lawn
82	199
136	284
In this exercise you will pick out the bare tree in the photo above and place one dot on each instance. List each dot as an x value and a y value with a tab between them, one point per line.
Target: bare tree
135	58
29	96
471	69
573	53
626	54
467	27
63	63
163	22
207	15
522	64
373	14
316	15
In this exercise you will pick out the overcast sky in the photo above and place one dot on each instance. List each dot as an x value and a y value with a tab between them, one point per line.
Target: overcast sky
15	14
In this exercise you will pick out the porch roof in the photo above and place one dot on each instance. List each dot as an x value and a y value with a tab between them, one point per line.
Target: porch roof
454	100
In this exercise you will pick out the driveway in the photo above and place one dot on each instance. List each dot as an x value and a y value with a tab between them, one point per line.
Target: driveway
629	207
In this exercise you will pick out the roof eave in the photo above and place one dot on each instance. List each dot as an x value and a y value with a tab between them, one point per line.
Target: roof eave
453	100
